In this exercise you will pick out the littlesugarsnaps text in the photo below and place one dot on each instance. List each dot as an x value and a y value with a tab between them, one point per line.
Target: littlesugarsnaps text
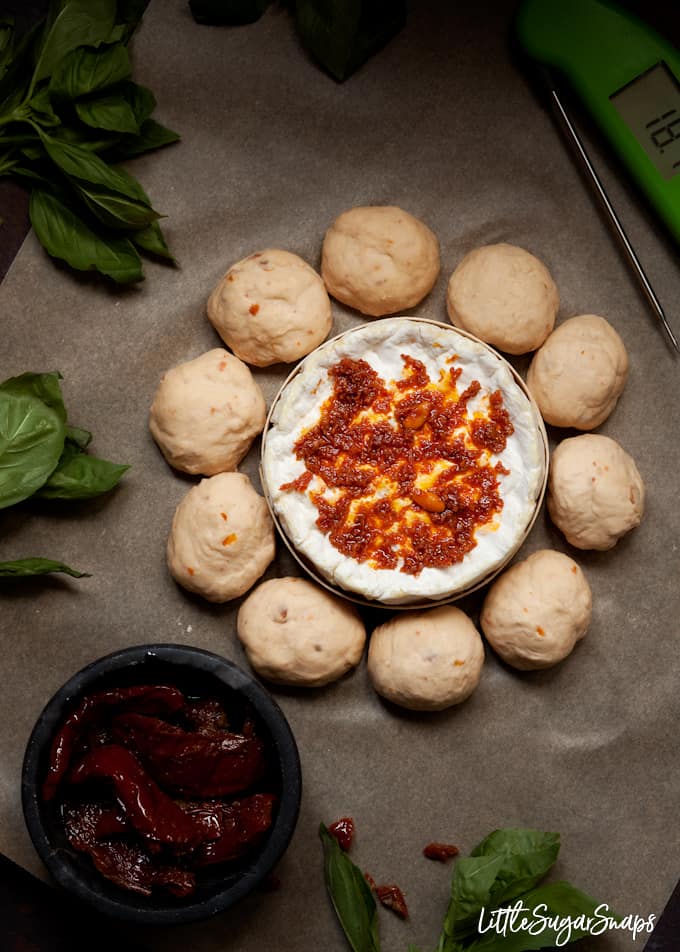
535	921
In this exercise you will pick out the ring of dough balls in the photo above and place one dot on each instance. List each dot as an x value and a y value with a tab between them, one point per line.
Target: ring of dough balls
426	660
222	538
505	296
271	307
534	614
379	259
296	633
579	373
206	413
595	492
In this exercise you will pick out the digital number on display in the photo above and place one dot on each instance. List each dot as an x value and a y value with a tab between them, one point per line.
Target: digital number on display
650	107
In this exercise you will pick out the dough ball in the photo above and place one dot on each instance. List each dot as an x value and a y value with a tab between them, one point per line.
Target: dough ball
595	492
534	614
505	296
379	259
222	538
426	660
206	413
295	632
579	373
271	307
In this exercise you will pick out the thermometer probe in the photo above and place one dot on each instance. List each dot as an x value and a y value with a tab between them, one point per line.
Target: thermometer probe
629	79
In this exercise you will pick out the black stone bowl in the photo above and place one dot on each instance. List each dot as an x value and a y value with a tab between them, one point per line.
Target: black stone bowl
198	673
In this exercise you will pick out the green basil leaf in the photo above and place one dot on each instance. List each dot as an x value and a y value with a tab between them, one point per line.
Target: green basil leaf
84	71
227	12
130	13
116	211
350	895
152	135
142	101
78	23
6	41
65	235
22	568
40	106
151	240
504	865
80	476
560	901
82	166
108	112
342	34
81	438
32	430
16	77
84	138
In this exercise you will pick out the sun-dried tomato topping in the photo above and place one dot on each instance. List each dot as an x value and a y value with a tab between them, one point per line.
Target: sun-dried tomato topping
440	852
406	468
392	898
343	831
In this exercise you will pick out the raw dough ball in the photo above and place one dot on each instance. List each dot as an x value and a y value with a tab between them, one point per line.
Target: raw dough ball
297	633
379	259
426	660
206	413
271	307
579	373
595	492
505	296
535	612
222	538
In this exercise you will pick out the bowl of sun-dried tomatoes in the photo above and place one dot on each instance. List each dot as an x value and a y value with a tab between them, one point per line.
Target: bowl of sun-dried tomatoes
161	784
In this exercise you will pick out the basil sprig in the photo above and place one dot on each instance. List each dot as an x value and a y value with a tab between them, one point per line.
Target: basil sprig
43	457
504	869
351	896
69	110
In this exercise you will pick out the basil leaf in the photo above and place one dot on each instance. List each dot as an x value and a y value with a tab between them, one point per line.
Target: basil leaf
82	166
504	865
40	106
112	112
116	211
342	34
78	23
151	240
142	101
130	12
22	568
6	41
81	438
351	896
43	387
229	12
32	430
152	135
64	235
83	138
80	476
15	79
542	905
85	71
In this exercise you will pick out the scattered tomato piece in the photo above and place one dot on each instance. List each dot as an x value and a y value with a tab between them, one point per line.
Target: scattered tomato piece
254	308
229	539
391	897
440	852
343	831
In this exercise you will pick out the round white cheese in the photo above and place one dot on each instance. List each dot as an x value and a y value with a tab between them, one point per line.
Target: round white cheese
382	345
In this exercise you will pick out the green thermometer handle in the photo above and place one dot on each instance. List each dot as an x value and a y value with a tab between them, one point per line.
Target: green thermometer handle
628	77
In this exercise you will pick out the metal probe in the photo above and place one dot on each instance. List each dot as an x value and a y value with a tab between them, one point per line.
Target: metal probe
618	227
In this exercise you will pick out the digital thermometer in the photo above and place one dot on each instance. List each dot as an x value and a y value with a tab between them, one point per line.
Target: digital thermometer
628	77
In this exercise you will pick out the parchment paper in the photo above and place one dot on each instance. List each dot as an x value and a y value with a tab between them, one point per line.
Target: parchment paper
443	123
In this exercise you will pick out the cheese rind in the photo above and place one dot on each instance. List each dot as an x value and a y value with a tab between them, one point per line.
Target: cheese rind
382	344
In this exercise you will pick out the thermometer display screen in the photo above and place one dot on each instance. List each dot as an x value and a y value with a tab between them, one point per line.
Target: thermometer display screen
650	107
